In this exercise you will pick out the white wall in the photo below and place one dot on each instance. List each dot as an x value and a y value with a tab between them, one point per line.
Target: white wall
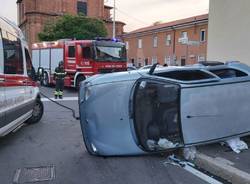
229	30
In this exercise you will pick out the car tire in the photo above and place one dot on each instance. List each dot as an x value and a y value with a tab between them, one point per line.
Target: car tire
45	80
37	113
79	80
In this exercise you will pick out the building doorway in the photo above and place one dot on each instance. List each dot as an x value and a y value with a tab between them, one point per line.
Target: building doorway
183	61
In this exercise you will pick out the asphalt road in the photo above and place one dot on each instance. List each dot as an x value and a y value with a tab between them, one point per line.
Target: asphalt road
57	141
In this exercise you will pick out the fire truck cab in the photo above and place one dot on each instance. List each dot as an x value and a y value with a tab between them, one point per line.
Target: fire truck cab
82	58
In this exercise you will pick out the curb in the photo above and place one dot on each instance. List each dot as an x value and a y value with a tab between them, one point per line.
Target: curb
222	168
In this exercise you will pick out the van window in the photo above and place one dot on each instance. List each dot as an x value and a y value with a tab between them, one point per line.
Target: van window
13	55
29	67
186	75
228	73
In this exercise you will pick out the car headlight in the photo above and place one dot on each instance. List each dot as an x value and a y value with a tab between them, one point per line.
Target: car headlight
87	93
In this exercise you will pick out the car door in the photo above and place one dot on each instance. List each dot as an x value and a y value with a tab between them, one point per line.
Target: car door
215	112
15	80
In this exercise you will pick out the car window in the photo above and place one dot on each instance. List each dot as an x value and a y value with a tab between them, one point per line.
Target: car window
186	75
13	55
228	73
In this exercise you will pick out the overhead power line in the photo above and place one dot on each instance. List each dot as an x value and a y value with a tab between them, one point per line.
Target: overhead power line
133	17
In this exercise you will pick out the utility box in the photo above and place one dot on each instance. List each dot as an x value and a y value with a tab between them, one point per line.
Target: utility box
229	30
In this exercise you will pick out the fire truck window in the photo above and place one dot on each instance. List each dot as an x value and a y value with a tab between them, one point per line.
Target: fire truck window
13	55
87	54
72	51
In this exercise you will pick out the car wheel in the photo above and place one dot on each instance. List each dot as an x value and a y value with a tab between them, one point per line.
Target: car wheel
79	80
37	113
45	80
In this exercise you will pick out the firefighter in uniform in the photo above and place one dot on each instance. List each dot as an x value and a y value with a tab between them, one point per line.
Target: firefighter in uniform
59	78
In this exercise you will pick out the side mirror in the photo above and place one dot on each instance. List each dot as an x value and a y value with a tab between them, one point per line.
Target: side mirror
40	73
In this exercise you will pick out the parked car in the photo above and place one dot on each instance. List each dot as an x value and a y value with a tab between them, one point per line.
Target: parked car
147	67
133	113
130	68
19	95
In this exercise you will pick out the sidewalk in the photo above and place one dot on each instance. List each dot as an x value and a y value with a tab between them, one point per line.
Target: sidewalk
221	161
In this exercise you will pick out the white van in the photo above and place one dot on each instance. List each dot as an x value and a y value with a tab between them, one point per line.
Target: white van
19	94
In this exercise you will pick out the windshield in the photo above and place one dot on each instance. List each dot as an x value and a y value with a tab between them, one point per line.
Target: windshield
104	53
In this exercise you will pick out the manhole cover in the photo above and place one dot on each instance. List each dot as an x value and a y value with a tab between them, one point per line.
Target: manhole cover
34	174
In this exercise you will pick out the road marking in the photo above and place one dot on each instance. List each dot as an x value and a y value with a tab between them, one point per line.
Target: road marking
201	175
191	169
59	100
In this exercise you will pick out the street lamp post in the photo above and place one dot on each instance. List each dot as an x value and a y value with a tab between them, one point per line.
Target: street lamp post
114	14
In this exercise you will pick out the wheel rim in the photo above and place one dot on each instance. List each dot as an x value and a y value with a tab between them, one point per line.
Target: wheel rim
37	110
45	79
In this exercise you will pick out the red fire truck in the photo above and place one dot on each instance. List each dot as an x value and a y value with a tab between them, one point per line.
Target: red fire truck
82	58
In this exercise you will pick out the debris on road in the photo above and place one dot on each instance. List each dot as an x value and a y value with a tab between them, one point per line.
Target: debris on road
189	153
237	145
166	144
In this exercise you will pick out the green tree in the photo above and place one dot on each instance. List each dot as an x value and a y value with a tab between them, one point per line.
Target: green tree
76	27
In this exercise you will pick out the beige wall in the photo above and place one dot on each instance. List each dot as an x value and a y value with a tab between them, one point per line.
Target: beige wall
229	30
162	51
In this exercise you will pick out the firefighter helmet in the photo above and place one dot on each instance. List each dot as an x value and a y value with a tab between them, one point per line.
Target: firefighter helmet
61	63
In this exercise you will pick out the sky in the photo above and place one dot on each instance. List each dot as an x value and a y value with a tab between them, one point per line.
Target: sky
137	13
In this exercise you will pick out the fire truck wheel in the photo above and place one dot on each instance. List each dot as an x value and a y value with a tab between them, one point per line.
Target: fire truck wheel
45	80
79	80
37	113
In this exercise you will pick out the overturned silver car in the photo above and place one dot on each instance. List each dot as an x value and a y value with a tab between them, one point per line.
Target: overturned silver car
138	112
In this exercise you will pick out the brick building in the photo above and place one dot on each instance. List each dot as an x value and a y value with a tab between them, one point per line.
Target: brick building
166	43
34	14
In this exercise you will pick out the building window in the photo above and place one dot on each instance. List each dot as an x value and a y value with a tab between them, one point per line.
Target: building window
82	8
168	40
184	35
154	60
203	35
139	43
167	60
13	54
155	41
133	61
22	10
201	58
146	61
127	45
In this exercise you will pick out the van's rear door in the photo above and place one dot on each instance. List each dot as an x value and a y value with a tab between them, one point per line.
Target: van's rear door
215	112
